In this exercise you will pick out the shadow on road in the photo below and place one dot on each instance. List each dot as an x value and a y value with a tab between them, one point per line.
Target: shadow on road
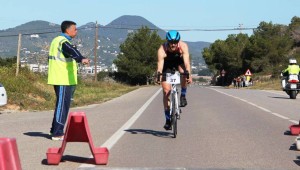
150	132
279	97
288	133
38	134
71	158
297	161
293	147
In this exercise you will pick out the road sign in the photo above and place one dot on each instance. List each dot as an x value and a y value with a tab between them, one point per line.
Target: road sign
248	73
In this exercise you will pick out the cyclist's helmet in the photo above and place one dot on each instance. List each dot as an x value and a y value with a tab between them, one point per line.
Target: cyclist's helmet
173	36
292	61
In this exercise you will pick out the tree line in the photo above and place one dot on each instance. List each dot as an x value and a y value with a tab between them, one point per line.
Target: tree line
265	52
137	60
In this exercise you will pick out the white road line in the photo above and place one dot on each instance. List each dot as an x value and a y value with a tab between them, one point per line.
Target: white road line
116	136
260	107
119	133
294	121
279	115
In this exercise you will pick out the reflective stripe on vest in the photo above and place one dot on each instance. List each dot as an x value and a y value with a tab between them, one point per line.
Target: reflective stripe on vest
61	70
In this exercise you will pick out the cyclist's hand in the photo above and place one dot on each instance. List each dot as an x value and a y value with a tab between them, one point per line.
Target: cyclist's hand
158	77
189	81
188	77
157	81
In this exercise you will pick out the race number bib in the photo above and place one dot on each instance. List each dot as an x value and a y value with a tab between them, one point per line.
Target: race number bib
173	78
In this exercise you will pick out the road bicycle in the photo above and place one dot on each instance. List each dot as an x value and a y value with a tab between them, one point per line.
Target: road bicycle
173	79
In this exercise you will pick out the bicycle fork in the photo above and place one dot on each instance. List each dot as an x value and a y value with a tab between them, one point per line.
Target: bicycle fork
174	97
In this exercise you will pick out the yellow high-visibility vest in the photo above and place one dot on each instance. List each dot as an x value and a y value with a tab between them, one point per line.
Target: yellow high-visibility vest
292	69
61	70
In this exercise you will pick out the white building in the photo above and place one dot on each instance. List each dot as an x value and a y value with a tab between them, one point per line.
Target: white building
35	67
34	36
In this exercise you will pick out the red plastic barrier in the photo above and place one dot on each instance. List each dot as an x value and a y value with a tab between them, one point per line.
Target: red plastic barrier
77	131
9	156
295	129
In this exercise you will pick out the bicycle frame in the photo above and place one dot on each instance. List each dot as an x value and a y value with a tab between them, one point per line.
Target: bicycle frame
173	79
174	98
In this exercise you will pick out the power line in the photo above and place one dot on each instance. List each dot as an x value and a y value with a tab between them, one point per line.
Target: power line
123	28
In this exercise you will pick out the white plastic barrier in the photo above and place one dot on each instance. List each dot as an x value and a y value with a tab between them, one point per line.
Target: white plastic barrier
298	143
3	96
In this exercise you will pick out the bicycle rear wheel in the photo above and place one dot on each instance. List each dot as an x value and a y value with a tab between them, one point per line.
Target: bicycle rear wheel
174	117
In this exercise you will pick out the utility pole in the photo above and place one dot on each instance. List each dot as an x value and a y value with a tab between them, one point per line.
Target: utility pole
95	50
18	54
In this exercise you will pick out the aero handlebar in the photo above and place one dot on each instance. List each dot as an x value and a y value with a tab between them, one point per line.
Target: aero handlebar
186	73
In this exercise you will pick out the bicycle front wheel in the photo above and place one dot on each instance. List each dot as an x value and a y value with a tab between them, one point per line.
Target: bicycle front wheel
174	117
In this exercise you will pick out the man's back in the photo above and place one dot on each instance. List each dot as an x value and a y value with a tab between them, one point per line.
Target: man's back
292	69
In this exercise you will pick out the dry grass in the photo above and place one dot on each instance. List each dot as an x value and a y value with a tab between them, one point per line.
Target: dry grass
271	84
29	91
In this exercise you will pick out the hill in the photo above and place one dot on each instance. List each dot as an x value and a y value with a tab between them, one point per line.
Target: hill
37	35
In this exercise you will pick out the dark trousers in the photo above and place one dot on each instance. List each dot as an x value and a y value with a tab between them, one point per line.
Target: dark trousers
62	106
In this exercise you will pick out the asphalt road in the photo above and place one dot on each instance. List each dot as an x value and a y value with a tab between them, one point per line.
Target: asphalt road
219	129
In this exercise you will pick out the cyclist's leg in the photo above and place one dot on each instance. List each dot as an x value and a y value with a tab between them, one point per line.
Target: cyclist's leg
166	94
183	101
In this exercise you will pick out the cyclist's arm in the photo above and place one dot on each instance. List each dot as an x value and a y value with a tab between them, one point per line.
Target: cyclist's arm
186	58
160	58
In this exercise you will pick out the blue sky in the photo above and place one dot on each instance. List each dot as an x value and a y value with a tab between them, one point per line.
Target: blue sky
166	14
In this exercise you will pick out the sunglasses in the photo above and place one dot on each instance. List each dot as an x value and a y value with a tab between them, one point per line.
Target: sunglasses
173	42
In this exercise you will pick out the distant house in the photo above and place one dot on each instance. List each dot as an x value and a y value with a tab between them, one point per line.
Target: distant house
35	67
114	68
34	36
90	69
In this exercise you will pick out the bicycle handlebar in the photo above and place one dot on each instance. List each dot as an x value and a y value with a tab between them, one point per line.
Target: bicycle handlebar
186	73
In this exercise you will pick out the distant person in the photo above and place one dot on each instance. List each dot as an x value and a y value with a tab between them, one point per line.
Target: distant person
173	54
243	81
238	80
62	74
234	82
250	81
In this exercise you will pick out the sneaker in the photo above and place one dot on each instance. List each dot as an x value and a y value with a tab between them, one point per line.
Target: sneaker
57	138
168	125
183	101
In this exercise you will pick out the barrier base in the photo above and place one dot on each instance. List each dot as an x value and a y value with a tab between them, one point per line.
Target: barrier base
53	156
295	129
101	155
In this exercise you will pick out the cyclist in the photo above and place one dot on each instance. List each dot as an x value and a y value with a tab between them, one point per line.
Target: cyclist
293	68
173	54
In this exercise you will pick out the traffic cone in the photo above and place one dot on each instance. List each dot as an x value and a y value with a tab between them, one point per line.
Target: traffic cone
9	156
